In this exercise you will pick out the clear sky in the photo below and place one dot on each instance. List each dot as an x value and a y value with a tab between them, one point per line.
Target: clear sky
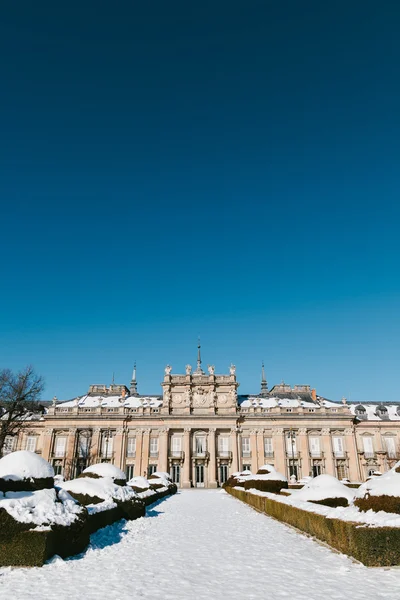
222	169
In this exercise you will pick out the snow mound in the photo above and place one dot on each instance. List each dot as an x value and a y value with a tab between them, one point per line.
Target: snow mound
24	465
384	485
139	482
162	475
42	507
321	488
272	475
266	469
106	470
104	488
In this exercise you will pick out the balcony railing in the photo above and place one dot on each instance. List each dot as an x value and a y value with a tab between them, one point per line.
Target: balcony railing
224	454
269	454
203	454
177	454
339	454
316	454
369	454
246	453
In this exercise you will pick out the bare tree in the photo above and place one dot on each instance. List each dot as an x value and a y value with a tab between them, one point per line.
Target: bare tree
19	395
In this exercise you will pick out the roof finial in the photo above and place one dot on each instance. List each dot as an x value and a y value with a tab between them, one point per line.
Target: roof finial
199	370
133	388
264	384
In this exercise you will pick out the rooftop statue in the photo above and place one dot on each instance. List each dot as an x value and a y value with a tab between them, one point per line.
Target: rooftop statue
188	369
211	369
168	369
232	369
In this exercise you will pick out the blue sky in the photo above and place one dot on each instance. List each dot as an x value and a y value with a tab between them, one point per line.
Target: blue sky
228	170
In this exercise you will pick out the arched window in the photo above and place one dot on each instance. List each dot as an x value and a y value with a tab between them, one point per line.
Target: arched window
360	410
382	411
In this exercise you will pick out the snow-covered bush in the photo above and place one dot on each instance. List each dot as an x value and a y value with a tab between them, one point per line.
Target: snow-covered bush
326	490
380	493
25	471
37	520
237	479
267	479
105	470
139	484
106	501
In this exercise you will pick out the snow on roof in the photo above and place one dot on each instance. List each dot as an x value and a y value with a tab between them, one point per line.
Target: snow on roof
112	401
106	470
41	507
372	411
24	465
321	487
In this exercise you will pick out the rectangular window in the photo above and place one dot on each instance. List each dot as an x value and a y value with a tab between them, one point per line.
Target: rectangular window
176	445
83	445
390	446
153	446
107	444
291	448
129	471
31	443
131	447
201	446
223	446
151	469
9	443
368	447
60	446
268	447
338	446
246	467
341	471
245	446
315	449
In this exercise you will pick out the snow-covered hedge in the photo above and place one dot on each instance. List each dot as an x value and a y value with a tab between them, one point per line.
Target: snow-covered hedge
38	520
105	470
376	546
380	493
139	484
237	479
267	479
25	471
326	490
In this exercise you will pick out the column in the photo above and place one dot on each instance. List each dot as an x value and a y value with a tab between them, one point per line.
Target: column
47	443
163	449
240	449
95	446
235	462
138	454
253	448
186	476
351	449
260	448
304	450
212	466
118	459
145	451
279	450
328	453
70	453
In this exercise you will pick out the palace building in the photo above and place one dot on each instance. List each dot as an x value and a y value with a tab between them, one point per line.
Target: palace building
200	430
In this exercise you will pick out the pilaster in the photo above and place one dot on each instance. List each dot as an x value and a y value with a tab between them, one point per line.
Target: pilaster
186	476
212	467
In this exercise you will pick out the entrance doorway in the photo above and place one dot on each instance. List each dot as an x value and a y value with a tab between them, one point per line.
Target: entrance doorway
199	475
176	474
223	474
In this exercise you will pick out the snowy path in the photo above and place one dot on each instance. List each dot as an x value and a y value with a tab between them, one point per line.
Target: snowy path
202	545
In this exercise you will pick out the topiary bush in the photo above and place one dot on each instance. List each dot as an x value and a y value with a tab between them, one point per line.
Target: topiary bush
380	492
273	486
332	502
389	504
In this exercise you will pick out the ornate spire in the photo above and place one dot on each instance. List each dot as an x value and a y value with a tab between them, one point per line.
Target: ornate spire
264	384
133	388
199	370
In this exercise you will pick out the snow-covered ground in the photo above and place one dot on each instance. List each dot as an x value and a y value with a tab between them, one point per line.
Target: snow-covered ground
207	545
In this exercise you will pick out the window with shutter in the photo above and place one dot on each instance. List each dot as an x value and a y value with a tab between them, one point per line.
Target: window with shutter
315	449
268	448
291	446
246	446
31	443
9	443
107	446
131	447
176	444
368	447
60	446
390	445
153	446
338	447
223	446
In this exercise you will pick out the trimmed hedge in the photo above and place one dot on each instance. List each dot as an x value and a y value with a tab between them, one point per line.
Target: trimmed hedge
390	504
273	486
21	546
26	485
373	546
331	502
121	482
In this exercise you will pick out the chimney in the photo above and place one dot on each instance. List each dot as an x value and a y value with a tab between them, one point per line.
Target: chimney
314	394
